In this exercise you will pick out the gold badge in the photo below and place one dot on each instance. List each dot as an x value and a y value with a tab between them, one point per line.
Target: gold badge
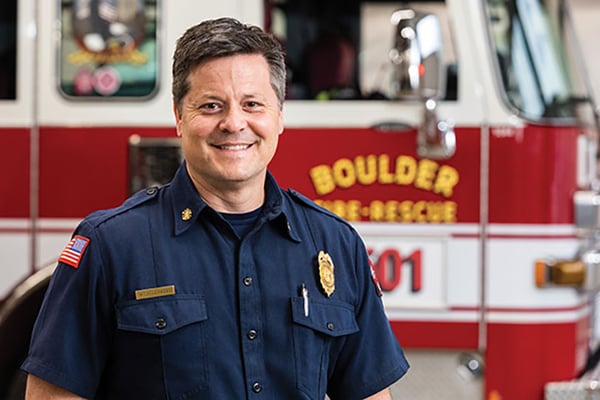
186	214
326	273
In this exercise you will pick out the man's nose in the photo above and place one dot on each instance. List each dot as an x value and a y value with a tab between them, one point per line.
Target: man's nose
234	120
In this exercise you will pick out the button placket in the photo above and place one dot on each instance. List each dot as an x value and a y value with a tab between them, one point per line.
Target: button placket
250	318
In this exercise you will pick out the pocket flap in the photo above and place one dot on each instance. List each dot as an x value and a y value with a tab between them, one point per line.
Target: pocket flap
330	317
161	316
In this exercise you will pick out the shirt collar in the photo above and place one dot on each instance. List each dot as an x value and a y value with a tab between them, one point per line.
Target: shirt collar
187	204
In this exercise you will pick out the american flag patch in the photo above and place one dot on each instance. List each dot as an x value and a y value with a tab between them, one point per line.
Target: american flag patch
73	252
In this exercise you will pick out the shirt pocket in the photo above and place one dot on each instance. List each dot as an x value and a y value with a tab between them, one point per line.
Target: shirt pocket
172	331
327	321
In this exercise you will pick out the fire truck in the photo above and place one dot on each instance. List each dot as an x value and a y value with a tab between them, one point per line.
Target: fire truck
458	137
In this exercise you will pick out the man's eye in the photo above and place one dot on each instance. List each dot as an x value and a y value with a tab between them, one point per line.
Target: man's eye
210	108
253	104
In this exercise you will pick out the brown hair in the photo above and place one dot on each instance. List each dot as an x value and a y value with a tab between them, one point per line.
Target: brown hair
224	37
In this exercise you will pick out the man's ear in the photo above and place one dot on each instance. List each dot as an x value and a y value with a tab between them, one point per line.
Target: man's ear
177	119
176	112
280	121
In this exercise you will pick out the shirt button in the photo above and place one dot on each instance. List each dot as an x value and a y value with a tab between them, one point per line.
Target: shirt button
160	323
256	387
330	326
248	281
151	190
252	334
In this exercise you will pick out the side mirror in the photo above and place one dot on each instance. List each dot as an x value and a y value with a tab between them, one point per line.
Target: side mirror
417	56
418	73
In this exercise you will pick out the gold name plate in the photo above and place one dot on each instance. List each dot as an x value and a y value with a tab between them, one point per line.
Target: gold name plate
155	292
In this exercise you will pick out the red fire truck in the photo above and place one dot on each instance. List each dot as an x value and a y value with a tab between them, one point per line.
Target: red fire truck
457	136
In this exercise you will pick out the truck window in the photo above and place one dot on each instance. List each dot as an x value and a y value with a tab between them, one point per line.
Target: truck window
339	49
8	49
108	49
534	49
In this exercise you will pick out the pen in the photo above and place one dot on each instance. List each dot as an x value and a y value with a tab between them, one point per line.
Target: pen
305	297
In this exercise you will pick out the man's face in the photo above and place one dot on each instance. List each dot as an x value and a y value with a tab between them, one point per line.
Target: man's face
230	122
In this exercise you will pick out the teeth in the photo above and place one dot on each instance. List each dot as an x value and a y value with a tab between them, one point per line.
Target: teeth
235	147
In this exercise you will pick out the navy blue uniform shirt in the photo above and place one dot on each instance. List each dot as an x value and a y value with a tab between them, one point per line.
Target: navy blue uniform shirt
159	299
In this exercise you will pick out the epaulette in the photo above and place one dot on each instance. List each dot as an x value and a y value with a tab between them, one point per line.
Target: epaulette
302	199
135	200
140	197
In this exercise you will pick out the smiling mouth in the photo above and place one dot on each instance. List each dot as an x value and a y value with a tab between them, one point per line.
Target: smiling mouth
234	147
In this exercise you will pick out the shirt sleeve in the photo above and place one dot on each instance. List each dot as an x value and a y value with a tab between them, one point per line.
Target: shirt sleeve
372	358
70	339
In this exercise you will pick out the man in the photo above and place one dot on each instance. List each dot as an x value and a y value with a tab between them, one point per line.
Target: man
218	285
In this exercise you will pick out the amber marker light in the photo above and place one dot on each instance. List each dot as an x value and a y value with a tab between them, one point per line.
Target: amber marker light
559	273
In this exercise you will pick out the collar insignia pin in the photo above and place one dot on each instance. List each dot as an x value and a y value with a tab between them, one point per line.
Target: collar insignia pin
326	272
186	214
